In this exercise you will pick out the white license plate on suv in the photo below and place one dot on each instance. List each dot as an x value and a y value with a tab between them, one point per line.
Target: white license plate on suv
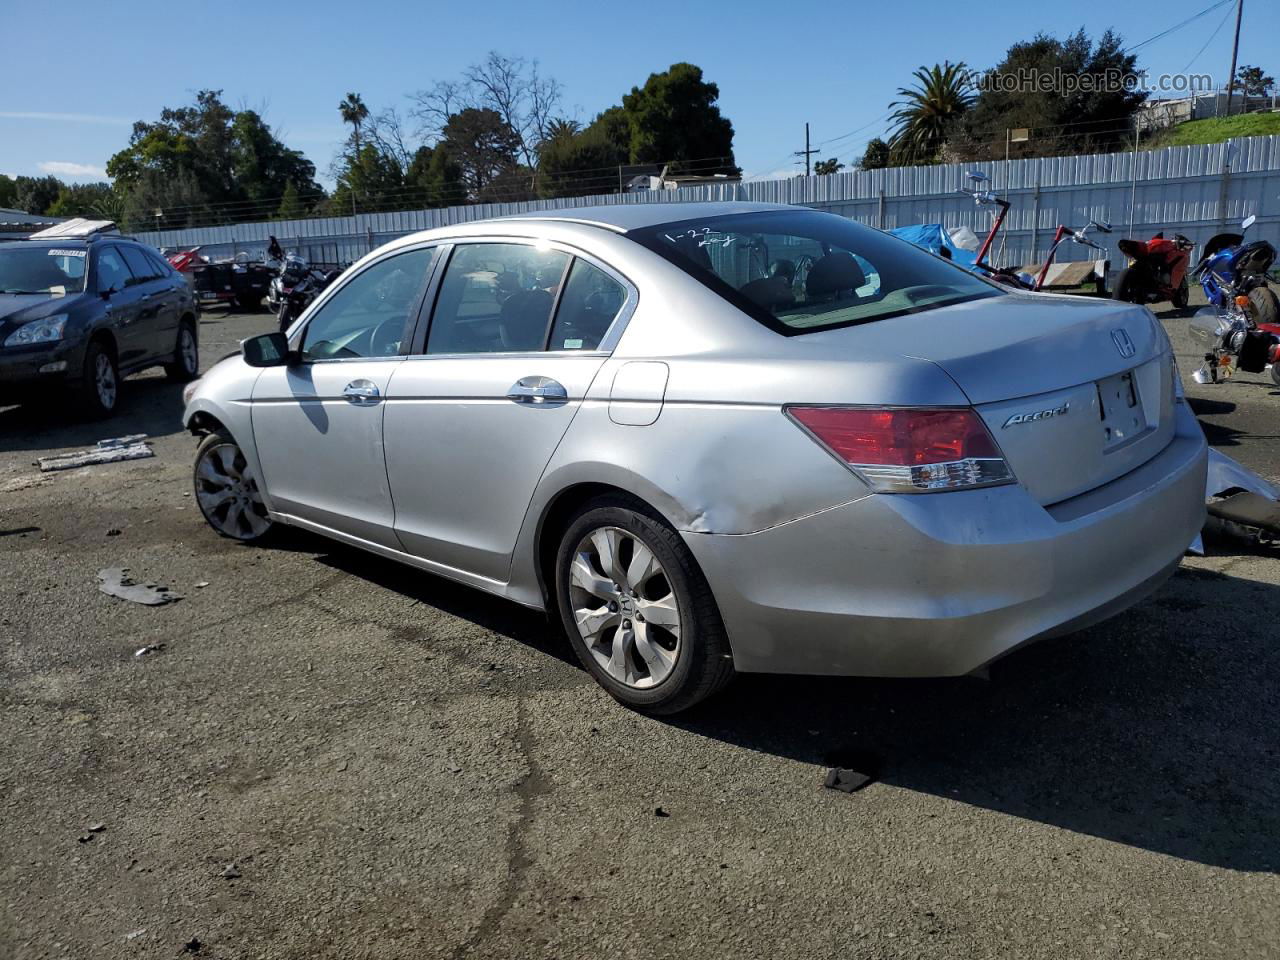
1122	415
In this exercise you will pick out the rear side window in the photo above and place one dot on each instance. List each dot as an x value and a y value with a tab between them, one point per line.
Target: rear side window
112	273
161	266
143	269
591	301
496	298
799	271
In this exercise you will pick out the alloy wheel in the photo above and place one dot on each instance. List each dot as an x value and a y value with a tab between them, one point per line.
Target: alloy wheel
624	607
104	381
228	494
187	350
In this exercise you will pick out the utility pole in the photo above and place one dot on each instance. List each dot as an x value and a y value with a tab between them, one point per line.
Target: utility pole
806	152
1235	49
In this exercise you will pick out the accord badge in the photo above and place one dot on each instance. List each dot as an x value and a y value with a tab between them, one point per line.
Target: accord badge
1018	418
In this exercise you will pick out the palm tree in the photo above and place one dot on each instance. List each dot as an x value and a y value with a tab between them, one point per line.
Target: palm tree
355	113
926	113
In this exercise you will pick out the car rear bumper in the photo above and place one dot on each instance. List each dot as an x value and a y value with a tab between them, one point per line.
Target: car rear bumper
941	584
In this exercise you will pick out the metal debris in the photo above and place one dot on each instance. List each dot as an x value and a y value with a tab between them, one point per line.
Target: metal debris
113	582
149	649
847	781
231	871
135	934
202	584
659	812
132	447
97	828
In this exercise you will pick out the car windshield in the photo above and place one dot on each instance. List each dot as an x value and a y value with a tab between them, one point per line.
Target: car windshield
36	268
800	271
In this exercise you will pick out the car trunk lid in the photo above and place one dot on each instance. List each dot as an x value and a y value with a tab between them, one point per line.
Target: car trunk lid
1076	392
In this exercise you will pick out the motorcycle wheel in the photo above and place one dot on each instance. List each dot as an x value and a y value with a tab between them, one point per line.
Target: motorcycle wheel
1265	303
1182	296
1130	286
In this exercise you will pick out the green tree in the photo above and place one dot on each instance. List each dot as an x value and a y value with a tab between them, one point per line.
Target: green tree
374	176
574	163
163	200
827	167
230	164
355	113
291	205
674	119
875	156
1091	112
927	113
36	194
483	146
83	200
436	176
1253	81
8	192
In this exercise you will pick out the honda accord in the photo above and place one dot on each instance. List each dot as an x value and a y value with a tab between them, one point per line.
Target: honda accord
711	438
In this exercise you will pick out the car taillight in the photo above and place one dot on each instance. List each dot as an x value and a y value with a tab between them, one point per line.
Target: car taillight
915	450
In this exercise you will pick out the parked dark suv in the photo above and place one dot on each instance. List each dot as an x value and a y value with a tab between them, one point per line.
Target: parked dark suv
78	314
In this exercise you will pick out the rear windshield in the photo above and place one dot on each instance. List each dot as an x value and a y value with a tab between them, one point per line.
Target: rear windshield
35	268
800	271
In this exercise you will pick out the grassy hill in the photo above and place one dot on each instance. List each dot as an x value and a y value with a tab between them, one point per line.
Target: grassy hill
1216	130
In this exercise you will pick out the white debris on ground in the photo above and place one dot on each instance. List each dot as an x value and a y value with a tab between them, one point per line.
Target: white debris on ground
133	447
114	582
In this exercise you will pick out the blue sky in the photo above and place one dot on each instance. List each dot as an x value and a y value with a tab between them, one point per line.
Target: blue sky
778	65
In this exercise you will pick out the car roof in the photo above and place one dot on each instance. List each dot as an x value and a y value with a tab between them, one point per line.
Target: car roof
624	217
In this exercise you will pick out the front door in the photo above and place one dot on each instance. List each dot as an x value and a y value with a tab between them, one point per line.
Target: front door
116	284
318	423
513	344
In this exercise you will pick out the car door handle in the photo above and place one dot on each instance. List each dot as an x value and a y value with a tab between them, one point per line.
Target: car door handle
537	390
361	392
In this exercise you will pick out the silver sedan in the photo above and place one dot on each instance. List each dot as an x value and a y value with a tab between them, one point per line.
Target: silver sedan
711	438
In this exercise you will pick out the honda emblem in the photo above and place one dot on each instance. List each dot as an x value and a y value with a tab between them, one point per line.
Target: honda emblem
1123	343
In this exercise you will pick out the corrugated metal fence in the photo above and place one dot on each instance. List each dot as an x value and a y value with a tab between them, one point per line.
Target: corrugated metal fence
1197	191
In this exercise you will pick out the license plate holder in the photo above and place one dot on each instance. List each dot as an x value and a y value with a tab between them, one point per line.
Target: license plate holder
1121	408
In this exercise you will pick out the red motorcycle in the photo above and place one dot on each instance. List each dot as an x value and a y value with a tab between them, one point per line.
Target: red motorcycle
1157	270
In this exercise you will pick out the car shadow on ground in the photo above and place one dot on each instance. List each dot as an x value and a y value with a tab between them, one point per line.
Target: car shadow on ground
148	404
1159	729
502	617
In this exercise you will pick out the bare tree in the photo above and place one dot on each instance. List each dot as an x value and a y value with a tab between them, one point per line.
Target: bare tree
386	131
512	87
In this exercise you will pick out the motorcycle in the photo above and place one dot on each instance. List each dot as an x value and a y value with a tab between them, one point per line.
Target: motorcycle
1230	267
984	196
1157	270
293	269
1080	236
298	296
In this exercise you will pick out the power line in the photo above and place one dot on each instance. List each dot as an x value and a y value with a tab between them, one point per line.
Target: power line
1178	26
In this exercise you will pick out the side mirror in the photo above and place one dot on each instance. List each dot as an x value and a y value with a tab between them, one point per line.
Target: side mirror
1102	225
268	350
1248	222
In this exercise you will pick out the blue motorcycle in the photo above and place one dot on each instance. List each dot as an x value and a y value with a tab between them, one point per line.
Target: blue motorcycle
1231	268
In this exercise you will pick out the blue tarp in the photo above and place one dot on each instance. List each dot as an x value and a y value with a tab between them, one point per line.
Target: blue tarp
931	237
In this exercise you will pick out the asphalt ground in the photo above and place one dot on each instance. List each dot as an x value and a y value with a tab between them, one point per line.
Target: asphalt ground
334	756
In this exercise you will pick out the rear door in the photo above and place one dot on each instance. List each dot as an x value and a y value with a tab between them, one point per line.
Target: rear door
517	334
317	424
157	316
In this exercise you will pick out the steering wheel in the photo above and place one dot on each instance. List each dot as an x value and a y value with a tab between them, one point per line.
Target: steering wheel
385	339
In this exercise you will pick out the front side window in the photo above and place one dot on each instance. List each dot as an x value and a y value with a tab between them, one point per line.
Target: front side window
496	298
113	275
39	269
800	271
372	313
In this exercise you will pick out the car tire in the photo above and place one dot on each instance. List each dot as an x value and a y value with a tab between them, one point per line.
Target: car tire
186	355
226	491
1265	304
651	632
100	381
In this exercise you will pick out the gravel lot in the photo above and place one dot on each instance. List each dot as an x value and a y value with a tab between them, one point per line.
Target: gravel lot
333	756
